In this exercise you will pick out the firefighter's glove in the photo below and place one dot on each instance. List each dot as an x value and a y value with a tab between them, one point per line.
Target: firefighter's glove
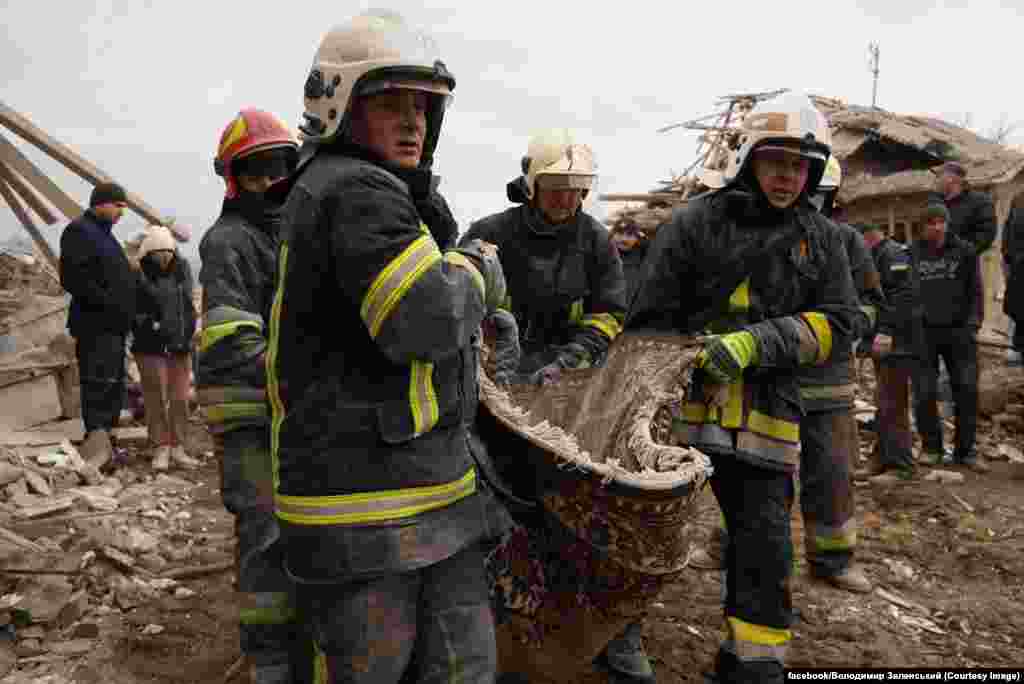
726	357
570	357
506	346
485	257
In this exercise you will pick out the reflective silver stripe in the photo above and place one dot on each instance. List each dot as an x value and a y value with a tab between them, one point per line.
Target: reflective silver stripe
828	391
395	280
422	397
766	448
372	507
229	314
707	434
226	394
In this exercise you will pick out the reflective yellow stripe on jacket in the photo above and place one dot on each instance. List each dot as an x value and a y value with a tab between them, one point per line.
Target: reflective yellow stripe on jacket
607	323
277	412
373	507
394	281
816	347
224	321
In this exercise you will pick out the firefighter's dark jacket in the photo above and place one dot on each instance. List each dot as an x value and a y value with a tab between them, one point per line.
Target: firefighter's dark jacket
565	283
239	254
372	376
726	262
832	386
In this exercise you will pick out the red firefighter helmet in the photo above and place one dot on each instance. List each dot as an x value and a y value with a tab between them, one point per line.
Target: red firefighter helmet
253	130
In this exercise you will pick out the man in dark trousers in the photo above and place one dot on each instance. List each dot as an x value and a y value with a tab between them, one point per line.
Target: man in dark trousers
971	214
894	347
952	299
95	271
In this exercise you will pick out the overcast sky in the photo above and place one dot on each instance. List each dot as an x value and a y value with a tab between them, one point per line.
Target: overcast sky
143	89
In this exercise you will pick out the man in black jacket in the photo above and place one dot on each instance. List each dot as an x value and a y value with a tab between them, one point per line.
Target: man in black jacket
894	348
952	299
971	215
95	271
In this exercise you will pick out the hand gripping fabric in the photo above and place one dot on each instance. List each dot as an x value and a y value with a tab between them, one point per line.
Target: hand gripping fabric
485	258
726	357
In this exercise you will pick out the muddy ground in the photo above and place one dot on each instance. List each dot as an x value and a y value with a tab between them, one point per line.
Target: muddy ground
949	559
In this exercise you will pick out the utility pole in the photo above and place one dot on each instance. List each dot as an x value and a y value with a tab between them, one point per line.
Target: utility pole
874	51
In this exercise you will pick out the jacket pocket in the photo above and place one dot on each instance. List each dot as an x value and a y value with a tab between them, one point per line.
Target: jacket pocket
430	402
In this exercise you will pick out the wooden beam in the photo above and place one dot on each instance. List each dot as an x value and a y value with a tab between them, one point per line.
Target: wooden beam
28	194
26	220
39	180
71	159
642	197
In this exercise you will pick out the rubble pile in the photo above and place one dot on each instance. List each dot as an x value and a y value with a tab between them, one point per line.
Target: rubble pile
79	549
20	276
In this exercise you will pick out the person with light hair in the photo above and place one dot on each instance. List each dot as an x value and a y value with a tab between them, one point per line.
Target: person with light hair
162	345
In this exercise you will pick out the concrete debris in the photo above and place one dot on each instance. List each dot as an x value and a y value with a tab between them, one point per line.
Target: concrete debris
37	483
945	477
900	569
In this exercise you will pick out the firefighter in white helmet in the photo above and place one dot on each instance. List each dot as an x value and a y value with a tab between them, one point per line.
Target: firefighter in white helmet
765	276
372	373
566	287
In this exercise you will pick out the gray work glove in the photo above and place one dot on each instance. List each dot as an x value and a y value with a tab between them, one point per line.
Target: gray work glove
484	256
570	357
506	346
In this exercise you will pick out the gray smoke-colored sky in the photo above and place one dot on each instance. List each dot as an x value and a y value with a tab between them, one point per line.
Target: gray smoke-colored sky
144	88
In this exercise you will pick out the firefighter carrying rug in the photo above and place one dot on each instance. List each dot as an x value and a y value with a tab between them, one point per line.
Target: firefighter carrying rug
601	496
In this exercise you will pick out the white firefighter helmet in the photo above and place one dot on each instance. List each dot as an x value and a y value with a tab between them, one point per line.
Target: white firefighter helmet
789	121
375	51
555	159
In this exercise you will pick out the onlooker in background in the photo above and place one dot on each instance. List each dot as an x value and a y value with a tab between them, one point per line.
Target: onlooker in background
1013	270
162	345
952	299
96	272
894	349
632	244
971	214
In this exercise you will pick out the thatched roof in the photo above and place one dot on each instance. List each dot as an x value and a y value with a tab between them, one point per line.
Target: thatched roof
931	140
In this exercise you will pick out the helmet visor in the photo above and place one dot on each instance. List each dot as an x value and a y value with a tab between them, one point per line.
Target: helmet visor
564	181
439	89
794	147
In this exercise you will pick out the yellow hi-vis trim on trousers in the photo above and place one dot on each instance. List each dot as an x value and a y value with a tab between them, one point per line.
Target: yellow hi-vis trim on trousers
373	507
752	641
841	538
394	281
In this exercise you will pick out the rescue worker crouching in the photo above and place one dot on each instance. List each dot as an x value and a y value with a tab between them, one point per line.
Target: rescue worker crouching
566	289
372	369
767	275
238	255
